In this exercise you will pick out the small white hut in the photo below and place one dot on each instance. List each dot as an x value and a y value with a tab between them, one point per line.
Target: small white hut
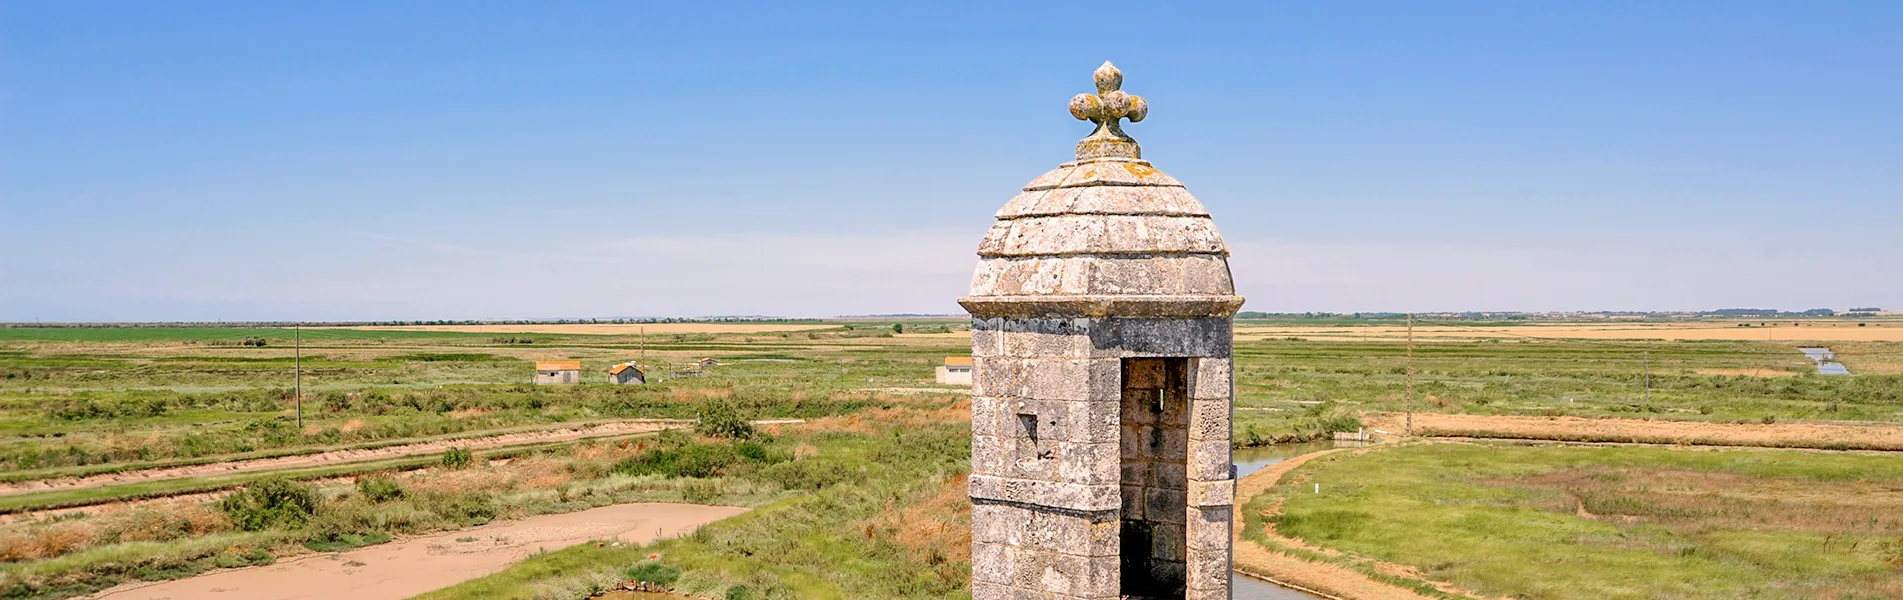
955	371
557	372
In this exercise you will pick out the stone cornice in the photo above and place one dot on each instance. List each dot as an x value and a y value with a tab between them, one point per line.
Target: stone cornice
1096	306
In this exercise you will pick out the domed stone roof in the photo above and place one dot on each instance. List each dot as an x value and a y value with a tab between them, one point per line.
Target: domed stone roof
1105	235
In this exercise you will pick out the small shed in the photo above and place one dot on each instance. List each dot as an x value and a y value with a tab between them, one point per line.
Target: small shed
557	372
627	374
955	371
708	362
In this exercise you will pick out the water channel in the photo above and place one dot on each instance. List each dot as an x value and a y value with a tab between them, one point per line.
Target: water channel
1250	460
1826	360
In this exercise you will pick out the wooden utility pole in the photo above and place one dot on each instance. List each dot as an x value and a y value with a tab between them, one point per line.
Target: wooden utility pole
1648	376
297	370
1410	374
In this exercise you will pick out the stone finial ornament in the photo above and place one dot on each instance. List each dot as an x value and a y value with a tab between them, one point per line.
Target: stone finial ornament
1102	381
1107	108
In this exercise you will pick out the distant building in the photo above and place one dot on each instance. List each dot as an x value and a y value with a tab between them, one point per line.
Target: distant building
554	372
708	362
955	371
627	374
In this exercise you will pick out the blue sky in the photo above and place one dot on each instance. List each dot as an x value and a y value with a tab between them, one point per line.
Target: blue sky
412	160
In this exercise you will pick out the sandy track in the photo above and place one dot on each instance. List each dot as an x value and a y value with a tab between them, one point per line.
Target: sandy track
603	328
340	456
1795	435
1327	579
412	566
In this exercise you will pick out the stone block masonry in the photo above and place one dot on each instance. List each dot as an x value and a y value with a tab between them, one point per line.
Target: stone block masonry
1102	381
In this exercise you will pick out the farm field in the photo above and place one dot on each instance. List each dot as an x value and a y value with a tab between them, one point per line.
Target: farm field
604	328
1559	522
1818	330
120	445
1296	386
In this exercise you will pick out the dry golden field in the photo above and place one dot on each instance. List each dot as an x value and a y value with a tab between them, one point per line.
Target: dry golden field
1784	331
605	328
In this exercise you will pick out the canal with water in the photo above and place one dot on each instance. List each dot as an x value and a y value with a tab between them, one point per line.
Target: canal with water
1250	460
1826	360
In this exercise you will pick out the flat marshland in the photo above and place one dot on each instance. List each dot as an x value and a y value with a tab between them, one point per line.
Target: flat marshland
103	419
1611	522
153	453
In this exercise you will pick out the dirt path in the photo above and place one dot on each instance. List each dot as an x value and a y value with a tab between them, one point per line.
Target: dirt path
1782	435
341	456
408	567
1323	579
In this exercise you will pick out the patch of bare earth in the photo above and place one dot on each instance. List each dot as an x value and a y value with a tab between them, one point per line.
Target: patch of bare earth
873	420
1778	435
340	456
412	566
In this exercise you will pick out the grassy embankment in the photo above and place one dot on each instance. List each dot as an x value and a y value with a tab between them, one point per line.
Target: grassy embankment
1572	522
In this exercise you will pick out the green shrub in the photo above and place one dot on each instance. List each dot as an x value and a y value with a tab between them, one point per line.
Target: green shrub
700	490
809	474
720	419
739	592
653	571
379	488
467	508
236	557
271	503
457	458
753	451
700	461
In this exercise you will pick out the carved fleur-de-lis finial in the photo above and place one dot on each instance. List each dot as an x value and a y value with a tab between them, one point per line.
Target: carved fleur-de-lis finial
1107	108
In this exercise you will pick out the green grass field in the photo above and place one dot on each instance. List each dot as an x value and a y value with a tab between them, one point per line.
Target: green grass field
92	397
1561	522
76	401
1282	384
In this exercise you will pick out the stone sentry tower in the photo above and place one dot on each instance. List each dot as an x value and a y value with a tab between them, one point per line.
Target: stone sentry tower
1101	317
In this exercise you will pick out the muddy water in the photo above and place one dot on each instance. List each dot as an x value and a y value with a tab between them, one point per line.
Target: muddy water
1250	460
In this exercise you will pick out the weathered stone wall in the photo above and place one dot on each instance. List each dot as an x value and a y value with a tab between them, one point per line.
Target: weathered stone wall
1154	445
1048	453
1104	281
